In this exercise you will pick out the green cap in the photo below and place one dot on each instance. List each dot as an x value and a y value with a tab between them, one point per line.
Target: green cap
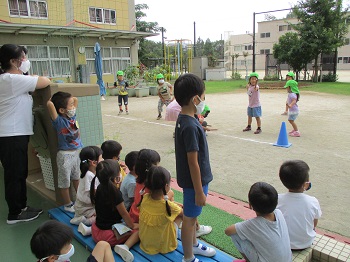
291	74
160	76
293	86
120	73
254	74
206	109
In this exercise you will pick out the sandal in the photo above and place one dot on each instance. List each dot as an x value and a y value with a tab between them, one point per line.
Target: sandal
248	128
258	131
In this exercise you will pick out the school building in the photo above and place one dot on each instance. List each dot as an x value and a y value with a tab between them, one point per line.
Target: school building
268	33
60	36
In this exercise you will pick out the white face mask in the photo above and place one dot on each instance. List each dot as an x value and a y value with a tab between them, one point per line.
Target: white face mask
71	112
25	66
200	106
161	81
65	257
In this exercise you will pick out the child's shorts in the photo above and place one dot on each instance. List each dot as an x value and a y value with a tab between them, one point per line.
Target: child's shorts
124	98
292	116
68	165
254	111
190	208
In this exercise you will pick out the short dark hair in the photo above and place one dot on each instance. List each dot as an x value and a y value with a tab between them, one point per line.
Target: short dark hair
130	159
110	149
263	198
60	100
294	173
186	87
8	52
50	238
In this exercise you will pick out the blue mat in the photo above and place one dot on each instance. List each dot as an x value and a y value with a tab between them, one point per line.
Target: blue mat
61	215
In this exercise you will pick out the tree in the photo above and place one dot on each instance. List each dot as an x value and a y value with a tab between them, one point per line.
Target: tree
149	50
292	50
322	26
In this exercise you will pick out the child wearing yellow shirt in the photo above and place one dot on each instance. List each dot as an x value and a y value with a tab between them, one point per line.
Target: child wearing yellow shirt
159	218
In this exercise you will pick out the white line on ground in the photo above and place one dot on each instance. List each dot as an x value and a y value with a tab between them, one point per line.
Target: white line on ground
161	124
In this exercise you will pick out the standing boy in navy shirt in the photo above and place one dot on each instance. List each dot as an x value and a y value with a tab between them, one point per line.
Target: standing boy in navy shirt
192	162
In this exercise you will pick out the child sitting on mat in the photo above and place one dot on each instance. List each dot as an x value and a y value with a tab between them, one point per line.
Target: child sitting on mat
110	210
159	217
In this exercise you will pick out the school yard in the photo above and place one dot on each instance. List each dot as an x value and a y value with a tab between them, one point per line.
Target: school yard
239	159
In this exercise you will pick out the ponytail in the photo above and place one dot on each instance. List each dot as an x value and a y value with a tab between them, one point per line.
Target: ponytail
92	191
166	198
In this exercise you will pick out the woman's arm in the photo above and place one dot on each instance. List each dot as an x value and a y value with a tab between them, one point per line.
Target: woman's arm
42	82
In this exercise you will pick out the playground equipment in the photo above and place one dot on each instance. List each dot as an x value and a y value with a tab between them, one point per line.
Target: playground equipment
178	56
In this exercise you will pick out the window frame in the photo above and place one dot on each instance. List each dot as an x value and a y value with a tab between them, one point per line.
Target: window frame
51	61
28	9
103	15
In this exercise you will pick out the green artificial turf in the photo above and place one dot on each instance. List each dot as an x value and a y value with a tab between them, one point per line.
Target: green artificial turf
218	220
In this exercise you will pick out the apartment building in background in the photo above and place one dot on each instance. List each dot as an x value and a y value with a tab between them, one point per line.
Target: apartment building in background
60	35
268	33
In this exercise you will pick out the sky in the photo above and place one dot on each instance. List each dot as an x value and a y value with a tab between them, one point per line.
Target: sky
215	19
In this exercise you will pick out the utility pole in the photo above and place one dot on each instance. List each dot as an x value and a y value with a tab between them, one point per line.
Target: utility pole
163	47
194	39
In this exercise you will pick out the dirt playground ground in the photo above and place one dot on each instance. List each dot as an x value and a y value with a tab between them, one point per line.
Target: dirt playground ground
239	159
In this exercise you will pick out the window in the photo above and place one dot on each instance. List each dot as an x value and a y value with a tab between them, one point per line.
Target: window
264	51
28	8
50	61
347	41
113	59
248	47
346	60
340	59
264	35
284	27
101	15
237	48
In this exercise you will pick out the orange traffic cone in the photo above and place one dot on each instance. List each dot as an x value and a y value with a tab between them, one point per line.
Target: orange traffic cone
282	140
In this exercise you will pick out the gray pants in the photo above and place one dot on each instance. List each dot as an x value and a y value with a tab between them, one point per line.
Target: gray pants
161	103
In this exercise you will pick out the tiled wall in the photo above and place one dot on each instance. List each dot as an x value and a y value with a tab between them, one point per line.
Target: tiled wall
326	249
89	118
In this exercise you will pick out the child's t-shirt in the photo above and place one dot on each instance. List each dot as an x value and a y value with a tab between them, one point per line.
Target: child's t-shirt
254	96
299	210
134	209
83	192
128	190
270	238
157	230
68	133
190	137
106	217
122	87
164	90
294	109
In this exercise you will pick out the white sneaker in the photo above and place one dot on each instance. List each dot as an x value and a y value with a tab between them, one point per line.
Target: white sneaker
123	251
69	208
78	220
203	230
194	260
103	98
204	250
84	230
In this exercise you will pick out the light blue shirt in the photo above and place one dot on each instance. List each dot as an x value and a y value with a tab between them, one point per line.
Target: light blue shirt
128	190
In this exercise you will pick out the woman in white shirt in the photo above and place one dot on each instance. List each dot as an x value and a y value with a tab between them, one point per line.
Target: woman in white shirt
16	125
